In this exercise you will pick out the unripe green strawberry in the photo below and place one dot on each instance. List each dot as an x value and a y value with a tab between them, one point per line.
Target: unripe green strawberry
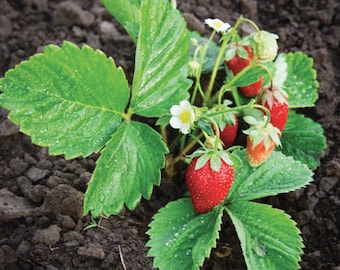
207	186
266	45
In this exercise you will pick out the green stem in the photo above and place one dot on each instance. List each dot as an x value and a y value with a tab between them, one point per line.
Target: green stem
127	116
175	142
233	109
263	108
187	148
270	75
220	95
236	96
242	19
198	86
214	72
164	135
217	135
219	59
235	78
174	4
240	108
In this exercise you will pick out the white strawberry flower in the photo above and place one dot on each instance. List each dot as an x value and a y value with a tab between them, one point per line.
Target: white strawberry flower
217	25
183	116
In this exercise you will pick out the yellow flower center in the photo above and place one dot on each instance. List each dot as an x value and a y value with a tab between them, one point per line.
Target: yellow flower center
185	117
218	24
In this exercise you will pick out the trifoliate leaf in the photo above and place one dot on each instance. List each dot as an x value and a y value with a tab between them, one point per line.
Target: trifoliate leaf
300	84
278	174
303	139
127	169
269	238
61	100
127	13
181	239
161	70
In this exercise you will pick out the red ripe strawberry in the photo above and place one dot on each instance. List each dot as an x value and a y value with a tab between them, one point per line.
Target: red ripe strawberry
237	63
276	102
228	134
207	186
253	89
258	154
226	121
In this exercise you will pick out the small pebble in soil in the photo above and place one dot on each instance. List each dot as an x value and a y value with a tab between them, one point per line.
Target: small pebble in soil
91	250
49	236
69	13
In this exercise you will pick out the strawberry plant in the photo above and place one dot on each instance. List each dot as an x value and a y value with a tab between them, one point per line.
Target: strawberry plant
76	101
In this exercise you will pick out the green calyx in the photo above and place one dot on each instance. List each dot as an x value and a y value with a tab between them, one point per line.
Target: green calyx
261	131
214	157
270	94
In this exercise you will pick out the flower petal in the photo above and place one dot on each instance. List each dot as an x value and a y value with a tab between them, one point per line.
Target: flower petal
185	129
185	104
175	122
176	110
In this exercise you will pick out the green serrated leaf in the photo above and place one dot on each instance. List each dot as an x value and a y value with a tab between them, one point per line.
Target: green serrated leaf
249	75
181	239
127	169
269	238
278	174
211	54
127	13
161	70
61	100
270	65
303	139
300	84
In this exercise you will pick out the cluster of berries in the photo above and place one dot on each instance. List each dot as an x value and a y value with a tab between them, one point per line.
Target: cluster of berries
209	183
262	138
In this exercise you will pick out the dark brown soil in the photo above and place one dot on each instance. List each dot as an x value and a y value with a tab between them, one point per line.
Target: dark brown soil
44	228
